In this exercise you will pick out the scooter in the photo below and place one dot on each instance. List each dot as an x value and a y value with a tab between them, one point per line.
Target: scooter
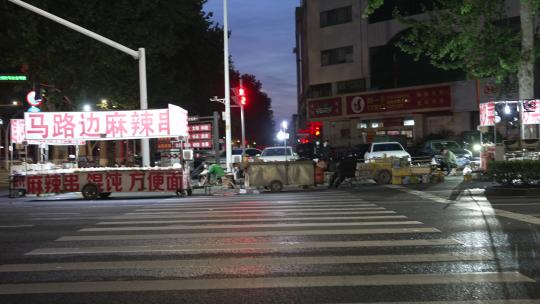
462	162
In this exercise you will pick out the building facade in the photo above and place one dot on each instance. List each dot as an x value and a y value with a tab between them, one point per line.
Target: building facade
357	84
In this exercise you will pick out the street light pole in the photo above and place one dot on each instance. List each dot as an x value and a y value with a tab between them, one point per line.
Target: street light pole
145	142
228	145
139	55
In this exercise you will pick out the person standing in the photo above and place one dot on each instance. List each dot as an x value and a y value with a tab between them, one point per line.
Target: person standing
449	160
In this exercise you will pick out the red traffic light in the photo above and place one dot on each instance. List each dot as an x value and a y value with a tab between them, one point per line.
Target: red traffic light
242	96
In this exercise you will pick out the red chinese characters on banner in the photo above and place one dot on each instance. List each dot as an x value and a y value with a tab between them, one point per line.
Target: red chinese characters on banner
116	125
96	179
34	184
147	121
71	183
53	183
163	124
174	181
114	181
17	131
156	181
136	177
106	181
63	126
105	125
37	125
89	126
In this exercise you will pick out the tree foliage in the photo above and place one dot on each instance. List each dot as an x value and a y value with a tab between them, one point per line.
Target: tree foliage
183	49
184	55
258	112
472	35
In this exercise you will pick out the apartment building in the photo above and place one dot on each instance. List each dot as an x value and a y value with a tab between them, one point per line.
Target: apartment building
355	82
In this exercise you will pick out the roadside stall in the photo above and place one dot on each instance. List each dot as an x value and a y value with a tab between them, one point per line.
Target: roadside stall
102	125
522	116
276	175
398	171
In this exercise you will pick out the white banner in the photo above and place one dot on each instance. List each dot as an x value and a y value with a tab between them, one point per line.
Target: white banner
17	131
487	113
106	125
533	115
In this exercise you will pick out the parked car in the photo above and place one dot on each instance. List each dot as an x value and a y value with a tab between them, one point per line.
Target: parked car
388	149
283	153
433	148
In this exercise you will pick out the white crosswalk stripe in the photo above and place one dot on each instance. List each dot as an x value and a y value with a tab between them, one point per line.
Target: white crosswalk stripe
253	242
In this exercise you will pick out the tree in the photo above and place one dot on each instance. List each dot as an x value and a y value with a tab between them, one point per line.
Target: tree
475	36
257	112
184	53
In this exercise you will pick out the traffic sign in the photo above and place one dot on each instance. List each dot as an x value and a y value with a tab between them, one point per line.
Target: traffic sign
31	99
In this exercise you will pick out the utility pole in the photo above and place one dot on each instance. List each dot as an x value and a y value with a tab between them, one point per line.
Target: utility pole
228	145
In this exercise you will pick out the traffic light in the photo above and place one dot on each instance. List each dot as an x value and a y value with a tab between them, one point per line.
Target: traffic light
239	96
242	96
315	129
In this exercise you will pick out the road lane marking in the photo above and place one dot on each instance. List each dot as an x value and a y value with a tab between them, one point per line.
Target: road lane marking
218	263
267	207
244	234
258	211
277	219
232	247
16	226
65	218
257	203
258	282
265	198
266	215
249	226
483	205
53	213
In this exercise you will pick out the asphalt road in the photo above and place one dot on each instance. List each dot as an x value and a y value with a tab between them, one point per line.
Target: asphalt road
368	244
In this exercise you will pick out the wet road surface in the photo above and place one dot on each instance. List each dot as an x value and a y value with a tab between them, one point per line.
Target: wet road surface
371	244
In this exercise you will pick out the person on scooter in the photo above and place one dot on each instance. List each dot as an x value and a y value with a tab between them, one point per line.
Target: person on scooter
346	168
448	161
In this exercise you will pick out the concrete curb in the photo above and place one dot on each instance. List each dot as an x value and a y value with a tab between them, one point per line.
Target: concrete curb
510	191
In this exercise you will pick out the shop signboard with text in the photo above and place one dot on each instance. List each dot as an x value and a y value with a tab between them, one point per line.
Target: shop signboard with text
200	135
405	100
324	108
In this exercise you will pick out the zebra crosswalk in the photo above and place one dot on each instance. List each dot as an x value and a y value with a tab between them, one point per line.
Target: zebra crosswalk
331	243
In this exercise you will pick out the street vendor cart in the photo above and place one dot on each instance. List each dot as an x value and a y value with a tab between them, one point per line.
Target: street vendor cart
275	175
96	183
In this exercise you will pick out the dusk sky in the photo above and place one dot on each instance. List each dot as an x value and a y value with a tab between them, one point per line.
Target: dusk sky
262	41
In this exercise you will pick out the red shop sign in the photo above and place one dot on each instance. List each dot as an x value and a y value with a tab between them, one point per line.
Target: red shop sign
417	99
324	108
